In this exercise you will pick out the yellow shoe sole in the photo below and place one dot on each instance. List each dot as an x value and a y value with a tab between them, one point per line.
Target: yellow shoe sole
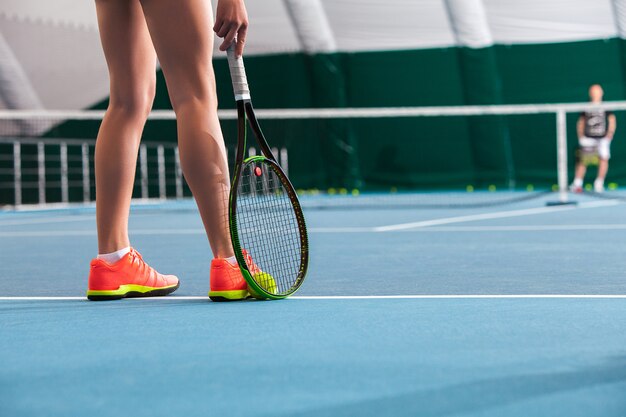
130	291
235	295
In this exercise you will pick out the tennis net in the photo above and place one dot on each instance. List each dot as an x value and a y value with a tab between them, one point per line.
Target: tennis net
441	157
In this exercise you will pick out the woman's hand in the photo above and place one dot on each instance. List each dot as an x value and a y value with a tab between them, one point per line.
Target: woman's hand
231	21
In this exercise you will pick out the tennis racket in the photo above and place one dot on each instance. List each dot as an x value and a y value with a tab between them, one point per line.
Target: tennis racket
267	226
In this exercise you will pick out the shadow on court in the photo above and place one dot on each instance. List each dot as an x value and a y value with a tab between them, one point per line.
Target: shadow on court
486	394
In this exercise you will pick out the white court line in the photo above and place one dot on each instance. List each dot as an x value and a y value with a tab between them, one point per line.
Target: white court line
50	233
363	297
492	215
45	220
388	228
525	228
147	232
448	229
443	229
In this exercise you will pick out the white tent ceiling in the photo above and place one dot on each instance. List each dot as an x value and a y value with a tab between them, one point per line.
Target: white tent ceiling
56	42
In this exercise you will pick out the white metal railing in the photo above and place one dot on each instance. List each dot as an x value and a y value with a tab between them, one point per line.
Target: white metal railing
86	150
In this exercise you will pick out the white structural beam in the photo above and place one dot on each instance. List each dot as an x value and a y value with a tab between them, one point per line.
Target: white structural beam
468	19
619	13
16	90
311	25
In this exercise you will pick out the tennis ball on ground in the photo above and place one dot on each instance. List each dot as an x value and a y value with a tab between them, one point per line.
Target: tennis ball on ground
492	188
265	281
588	187
530	187
355	192
343	191
555	187
469	188
332	191
612	186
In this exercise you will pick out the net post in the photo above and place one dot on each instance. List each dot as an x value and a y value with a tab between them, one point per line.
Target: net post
64	181
84	150
284	162
41	172
161	170
561	159
17	173
143	168
178	173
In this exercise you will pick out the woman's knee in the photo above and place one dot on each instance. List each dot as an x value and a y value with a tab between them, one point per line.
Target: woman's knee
205	103
193	88
133	101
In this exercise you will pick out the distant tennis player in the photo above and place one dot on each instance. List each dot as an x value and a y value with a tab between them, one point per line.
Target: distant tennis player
595	129
133	34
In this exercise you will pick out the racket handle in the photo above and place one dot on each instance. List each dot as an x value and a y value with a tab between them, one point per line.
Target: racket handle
238	74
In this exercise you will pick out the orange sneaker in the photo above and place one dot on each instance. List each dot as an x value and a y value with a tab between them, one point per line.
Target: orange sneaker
129	277
226	282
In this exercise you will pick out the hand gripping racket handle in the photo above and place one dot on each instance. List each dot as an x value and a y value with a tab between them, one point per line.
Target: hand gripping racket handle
238	74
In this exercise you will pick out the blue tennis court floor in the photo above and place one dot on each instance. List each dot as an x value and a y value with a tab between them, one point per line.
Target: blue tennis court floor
515	310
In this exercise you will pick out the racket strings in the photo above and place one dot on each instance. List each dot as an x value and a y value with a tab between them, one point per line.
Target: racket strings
266	241
268	226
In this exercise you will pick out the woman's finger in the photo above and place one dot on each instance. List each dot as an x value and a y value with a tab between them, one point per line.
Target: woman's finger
241	40
226	27
218	25
229	38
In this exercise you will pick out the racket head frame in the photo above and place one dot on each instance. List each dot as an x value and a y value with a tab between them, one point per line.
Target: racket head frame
245	115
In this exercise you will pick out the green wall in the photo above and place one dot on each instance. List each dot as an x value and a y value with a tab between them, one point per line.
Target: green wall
439	152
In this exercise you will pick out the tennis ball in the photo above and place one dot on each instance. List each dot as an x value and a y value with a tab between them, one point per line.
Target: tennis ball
332	191
265	281
555	187
530	187
394	189
492	188
612	186
469	188
588	187
343	191
355	192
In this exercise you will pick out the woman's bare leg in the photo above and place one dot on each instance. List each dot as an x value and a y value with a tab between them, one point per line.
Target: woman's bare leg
131	60
181	33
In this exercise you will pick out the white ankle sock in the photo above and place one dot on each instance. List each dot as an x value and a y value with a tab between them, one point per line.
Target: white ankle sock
232	260
578	182
113	257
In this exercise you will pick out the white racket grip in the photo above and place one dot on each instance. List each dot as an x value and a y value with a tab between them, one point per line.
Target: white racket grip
238	75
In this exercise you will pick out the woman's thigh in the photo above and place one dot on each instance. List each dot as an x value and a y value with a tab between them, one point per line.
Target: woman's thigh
129	53
182	35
